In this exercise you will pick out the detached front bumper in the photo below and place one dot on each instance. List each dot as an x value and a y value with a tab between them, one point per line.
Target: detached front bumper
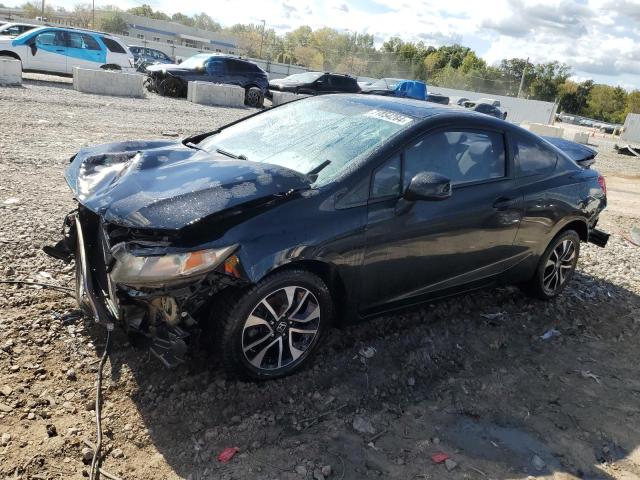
86	294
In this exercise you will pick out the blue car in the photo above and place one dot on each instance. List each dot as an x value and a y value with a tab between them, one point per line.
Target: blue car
58	50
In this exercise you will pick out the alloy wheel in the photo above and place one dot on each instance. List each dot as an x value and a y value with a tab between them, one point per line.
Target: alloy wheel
559	266
253	97
281	328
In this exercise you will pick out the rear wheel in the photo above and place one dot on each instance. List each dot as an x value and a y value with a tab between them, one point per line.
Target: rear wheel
274	328
253	97
557	266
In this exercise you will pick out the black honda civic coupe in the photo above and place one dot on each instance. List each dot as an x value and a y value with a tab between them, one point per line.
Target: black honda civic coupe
319	212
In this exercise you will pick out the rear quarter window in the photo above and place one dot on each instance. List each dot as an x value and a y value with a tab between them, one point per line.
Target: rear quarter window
533	156
112	45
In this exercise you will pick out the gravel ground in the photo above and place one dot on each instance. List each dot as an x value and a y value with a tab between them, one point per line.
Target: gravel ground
470	377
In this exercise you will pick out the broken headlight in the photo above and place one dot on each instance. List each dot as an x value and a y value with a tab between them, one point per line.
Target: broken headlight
138	269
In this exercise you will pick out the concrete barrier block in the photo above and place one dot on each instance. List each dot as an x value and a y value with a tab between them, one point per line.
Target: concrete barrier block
285	97
108	82
10	72
545	130
581	137
205	93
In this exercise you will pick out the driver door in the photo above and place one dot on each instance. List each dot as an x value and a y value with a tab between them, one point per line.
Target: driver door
420	249
47	52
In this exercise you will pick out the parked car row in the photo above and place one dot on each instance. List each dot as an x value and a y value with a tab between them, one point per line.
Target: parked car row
59	49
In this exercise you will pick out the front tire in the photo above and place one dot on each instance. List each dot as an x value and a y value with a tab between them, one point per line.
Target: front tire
171	87
274	328
556	267
253	97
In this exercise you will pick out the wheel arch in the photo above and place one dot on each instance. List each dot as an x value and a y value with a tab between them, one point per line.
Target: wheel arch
578	224
330	275
9	53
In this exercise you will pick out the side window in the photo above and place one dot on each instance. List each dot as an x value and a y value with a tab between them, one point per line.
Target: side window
234	67
339	82
463	156
81	41
215	66
46	38
74	40
112	45
533	157
386	179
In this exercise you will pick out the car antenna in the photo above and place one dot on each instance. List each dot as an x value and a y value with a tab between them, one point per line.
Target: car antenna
313	174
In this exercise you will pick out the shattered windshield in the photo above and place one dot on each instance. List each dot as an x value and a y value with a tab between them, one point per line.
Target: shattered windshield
303	135
196	61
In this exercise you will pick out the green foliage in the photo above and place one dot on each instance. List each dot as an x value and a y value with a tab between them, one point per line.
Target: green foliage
34	9
113	22
607	103
146	11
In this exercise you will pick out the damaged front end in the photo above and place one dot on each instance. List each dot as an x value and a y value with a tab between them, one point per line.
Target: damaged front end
148	236
143	283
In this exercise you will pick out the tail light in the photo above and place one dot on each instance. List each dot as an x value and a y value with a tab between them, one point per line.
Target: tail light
602	183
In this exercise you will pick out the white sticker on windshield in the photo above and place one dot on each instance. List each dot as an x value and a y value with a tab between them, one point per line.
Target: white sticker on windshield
388	116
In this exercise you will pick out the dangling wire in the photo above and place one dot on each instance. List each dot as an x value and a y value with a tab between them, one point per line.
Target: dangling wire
95	462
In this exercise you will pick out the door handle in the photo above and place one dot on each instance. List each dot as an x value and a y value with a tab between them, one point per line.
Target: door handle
59	50
503	203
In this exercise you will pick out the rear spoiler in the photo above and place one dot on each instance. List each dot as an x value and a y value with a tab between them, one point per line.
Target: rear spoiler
581	154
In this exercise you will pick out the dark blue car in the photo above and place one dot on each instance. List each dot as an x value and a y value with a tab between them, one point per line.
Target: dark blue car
172	80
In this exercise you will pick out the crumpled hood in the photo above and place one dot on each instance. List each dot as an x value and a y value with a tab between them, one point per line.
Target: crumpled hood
167	67
166	185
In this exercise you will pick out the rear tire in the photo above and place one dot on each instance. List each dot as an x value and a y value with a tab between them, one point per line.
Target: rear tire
556	267
111	67
253	97
273	328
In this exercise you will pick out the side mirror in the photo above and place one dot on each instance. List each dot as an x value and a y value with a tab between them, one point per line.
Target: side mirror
428	186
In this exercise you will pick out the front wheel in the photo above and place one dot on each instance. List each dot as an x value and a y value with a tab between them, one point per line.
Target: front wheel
275	327
253	97
171	87
556	267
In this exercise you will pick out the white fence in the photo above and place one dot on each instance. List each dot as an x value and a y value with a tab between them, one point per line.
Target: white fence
518	109
631	132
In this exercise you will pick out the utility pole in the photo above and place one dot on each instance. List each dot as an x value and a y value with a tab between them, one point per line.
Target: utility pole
93	21
264	24
353	50
42	13
524	70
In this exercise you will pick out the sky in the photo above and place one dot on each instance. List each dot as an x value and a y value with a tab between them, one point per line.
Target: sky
599	39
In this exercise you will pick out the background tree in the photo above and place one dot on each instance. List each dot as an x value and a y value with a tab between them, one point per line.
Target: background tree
205	22
113	22
34	9
82	15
